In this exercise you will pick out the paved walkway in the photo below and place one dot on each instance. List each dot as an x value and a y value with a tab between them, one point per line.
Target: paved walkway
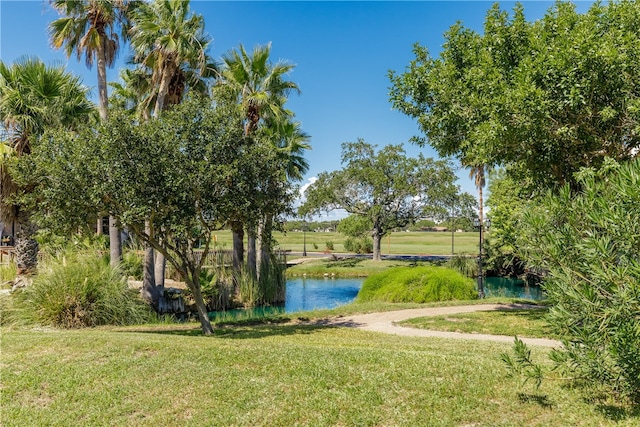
386	322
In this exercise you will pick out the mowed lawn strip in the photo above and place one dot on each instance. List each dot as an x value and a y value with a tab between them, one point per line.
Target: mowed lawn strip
400	242
271	375
521	322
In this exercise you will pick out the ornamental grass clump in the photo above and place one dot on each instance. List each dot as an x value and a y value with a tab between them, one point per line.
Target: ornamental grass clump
75	290
417	284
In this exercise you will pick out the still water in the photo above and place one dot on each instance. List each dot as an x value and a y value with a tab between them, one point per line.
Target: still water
310	294
305	294
511	288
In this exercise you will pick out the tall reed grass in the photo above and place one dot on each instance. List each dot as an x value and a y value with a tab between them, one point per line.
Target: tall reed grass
76	289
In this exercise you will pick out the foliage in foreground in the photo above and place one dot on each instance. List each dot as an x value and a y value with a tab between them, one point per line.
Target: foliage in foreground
74	290
589	241
417	284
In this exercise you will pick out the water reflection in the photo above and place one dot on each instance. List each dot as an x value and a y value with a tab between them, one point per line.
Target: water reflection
305	294
511	288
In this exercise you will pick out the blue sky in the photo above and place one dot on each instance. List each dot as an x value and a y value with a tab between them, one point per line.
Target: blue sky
342	51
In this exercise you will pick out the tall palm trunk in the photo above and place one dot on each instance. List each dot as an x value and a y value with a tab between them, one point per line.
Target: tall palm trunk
160	268
377	244
251	251
265	229
115	242
238	248
150	291
26	252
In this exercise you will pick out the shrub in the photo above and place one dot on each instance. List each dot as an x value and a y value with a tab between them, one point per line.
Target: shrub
329	245
589	242
77	289
132	264
463	264
358	245
417	284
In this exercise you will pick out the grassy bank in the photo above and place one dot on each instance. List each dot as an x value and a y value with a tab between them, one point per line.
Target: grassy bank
274	375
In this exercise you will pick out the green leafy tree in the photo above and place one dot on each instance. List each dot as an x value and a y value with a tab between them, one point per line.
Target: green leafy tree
386	187
172	182
33	98
94	29
545	98
588	241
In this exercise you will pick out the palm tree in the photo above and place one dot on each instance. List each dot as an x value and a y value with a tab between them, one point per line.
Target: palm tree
290	142
261	88
171	42
170	46
93	28
33	98
477	172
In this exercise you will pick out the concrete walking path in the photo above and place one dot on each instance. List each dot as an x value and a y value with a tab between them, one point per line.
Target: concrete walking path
386	322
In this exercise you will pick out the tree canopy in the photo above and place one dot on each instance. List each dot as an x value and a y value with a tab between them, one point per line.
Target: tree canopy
386	187
545	97
185	174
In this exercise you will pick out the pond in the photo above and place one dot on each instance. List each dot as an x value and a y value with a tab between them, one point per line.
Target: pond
304	294
511	288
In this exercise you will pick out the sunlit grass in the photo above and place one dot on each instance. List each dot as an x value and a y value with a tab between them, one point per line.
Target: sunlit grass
272	375
523	323
412	243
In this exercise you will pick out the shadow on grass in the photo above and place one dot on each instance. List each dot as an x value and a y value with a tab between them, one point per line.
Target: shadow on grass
249	329
619	413
538	399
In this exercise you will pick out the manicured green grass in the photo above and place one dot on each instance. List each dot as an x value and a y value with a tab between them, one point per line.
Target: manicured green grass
273	375
349	267
412	243
524	323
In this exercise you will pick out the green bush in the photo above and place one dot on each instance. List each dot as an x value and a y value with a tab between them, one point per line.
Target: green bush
417	284
463	264
77	289
589	243
358	245
132	264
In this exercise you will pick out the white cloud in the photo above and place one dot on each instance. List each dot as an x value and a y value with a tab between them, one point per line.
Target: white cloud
305	186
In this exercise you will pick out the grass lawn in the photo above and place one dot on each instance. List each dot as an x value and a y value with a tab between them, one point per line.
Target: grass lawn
350	267
273	375
523	323
411	243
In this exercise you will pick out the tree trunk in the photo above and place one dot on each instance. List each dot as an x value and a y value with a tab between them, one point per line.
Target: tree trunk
99	226
26	254
251	251
150	291
238	246
103	98
162	91
377	240
160	267
115	243
203	315
264	245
